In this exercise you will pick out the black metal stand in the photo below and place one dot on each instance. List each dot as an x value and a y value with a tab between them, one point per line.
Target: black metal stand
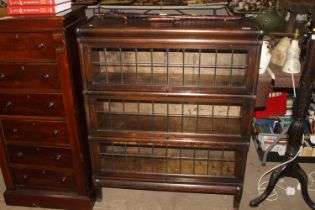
296	130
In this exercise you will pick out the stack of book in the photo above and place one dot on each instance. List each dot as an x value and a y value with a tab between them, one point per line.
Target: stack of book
37	7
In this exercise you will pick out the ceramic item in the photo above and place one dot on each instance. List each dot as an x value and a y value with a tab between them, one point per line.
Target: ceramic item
292	64
269	19
279	53
265	57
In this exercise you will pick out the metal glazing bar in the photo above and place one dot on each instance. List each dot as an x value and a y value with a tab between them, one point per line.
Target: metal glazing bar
120	66
194	161
138	159
227	118
231	71
182	118
113	157
167	66
136	60
183	82
215	67
208	161
153	117
199	70
166	159
110	114
180	160
138	115
126	157
222	162
124	112
197	119
152	158
151	53
106	69
167	117
212	114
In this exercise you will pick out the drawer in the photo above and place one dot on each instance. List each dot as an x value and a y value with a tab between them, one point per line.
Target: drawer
146	115
44	179
161	158
40	132
42	156
27	47
31	104
29	76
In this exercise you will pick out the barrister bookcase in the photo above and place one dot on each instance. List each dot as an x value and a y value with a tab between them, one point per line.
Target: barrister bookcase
169	104
43	143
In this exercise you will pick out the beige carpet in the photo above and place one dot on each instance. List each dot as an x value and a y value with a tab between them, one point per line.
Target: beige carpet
121	199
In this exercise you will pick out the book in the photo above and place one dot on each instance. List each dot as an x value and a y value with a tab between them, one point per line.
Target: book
34	2
38	9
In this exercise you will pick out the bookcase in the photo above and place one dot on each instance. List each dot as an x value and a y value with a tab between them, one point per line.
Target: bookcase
169	104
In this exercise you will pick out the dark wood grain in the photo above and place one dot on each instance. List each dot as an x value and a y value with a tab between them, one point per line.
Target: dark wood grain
147	129
44	154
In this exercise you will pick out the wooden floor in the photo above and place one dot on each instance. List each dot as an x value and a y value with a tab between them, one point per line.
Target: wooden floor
121	199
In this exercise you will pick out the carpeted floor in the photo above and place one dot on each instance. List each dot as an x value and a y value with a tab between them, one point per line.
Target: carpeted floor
122	199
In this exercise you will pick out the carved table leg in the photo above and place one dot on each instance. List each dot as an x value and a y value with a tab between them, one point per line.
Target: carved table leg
275	176
300	175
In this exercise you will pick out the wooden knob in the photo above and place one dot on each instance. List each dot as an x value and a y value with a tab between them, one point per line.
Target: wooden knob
63	179
58	157
51	105
22	68
55	132
46	76
19	154
25	177
40	45
15	130
2	75
8	104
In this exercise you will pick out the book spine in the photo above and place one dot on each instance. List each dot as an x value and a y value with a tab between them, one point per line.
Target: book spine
30	2
16	10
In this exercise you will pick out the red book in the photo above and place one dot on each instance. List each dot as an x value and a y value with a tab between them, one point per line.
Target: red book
38	9
34	2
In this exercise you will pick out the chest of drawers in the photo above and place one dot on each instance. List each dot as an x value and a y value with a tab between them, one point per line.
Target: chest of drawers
44	153
169	104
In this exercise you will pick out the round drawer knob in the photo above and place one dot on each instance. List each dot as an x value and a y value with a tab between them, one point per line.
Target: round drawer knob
40	45
43	172
25	177
63	179
55	132
58	157
15	130
22	68
2	75
46	76
51	105
19	154
8	104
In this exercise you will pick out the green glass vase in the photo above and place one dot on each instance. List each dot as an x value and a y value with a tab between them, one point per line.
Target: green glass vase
268	19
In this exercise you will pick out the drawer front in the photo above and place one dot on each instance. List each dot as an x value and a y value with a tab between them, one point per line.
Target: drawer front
130	116
27	47
31	104
40	132
44	76
44	179
43	156
162	158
